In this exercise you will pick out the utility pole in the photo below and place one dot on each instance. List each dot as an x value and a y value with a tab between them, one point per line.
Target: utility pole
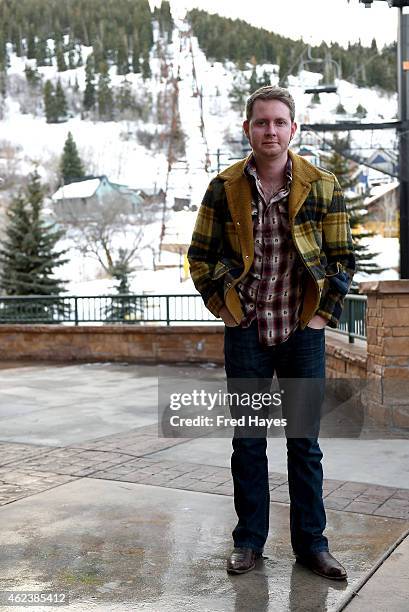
403	127
403	92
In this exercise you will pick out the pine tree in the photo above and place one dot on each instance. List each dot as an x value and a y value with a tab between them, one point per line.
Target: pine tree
42	53
255	82
3	90
80	61
60	102
4	60
31	45
122	59
71	166
348	179
28	255
49	103
360	112
146	68
71	59
99	54
136	64
59	53
125	101
32	75
89	93
123	309
104	95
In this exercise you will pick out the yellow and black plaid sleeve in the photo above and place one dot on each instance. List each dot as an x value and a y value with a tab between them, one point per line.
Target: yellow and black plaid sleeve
206	246
339	250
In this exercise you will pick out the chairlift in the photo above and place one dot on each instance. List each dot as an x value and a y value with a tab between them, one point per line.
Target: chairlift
326	87
321	89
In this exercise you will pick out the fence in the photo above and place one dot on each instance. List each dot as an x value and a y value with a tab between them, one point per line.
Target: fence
353	318
141	309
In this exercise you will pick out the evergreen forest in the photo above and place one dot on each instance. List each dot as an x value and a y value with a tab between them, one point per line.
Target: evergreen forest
235	40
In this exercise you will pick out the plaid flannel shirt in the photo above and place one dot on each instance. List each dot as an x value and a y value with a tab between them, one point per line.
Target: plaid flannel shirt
271	293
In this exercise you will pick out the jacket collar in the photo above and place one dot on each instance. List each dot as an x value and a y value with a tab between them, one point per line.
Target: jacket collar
304	174
303	170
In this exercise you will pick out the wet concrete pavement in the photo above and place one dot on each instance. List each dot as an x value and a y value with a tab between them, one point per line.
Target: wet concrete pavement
95	504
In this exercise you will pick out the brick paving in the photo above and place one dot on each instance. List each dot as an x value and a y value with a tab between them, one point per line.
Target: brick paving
27	469
136	443
11	452
16	484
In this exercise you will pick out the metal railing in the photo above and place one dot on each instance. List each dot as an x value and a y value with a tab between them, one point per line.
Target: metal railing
140	309
125	309
353	318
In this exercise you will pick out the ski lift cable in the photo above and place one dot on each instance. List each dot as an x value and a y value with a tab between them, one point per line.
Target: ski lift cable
322	61
296	61
352	157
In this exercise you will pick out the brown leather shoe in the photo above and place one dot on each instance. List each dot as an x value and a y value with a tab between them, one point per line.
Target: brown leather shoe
242	560
323	564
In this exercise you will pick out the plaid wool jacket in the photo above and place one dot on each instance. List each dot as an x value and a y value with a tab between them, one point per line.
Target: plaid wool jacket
222	248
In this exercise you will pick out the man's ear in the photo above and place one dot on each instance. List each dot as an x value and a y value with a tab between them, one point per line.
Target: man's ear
246	127
293	129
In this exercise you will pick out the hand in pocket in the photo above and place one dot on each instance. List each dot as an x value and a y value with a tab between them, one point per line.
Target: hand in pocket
317	322
227	317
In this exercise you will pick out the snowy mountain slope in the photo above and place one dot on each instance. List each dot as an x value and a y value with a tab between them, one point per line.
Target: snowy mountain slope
207	121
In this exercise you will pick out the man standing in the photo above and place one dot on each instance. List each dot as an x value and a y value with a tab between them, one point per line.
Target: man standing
272	255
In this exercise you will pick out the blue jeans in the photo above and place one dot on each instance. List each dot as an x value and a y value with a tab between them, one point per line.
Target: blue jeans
302	356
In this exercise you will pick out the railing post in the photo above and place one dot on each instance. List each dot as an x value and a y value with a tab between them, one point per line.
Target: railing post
76	310
167	311
351	321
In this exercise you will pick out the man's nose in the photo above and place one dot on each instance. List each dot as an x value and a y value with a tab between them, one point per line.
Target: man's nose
270	127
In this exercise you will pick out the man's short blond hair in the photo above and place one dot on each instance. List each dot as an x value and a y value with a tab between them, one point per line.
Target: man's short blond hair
271	92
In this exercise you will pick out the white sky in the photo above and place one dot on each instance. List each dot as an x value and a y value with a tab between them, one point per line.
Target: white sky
314	20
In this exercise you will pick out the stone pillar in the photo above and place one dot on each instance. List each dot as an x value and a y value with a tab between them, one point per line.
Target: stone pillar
388	352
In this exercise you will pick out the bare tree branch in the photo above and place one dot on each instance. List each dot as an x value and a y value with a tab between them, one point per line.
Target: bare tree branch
109	227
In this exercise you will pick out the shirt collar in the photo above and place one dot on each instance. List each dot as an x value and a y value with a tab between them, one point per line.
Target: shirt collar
251	169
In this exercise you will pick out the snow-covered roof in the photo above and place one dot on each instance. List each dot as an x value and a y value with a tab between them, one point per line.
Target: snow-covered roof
381	190
79	189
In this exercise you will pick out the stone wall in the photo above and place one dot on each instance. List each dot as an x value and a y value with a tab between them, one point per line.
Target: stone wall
148	344
344	360
388	351
143	344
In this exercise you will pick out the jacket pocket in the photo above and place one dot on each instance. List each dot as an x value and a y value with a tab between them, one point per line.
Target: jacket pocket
227	266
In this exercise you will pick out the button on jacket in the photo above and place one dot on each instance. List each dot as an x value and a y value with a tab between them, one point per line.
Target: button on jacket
221	252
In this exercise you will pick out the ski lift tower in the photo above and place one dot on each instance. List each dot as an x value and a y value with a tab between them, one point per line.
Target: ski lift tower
403	126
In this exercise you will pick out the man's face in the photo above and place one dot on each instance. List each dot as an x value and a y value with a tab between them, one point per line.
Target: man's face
270	129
